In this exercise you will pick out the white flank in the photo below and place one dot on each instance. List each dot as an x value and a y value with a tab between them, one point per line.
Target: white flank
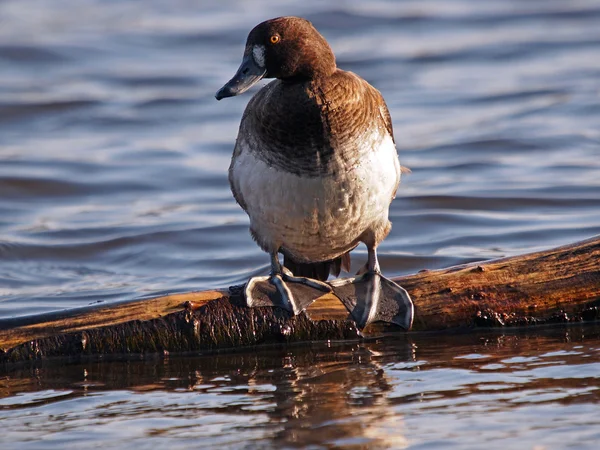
318	218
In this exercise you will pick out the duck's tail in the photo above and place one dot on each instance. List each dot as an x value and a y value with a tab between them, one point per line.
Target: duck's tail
319	270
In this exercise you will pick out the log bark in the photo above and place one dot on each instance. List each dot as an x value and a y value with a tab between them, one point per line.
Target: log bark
560	285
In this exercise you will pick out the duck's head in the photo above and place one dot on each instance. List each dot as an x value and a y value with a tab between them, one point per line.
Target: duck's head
288	48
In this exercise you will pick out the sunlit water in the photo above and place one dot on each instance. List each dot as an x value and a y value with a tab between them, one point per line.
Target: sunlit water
492	391
113	185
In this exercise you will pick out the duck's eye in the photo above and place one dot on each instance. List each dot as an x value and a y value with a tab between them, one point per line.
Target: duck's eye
274	39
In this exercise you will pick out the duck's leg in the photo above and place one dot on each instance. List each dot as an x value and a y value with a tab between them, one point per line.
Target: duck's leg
383	300
282	297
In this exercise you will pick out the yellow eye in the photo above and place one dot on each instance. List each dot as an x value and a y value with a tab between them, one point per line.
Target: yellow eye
274	39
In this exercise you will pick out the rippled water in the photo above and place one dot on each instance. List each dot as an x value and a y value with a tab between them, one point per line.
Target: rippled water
114	151
493	391
113	185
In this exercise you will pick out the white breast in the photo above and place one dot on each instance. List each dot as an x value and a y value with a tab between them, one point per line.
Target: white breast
320	218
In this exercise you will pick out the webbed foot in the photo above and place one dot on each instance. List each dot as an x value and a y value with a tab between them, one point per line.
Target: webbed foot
371	297
283	289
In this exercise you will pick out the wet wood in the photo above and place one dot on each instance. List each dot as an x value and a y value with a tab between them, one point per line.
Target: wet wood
558	285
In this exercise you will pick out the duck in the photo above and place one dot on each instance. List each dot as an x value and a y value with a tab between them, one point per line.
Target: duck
315	167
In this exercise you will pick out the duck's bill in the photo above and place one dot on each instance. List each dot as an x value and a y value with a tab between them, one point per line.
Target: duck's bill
246	76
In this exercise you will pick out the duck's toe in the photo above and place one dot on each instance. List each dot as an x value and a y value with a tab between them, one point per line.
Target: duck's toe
373	298
294	294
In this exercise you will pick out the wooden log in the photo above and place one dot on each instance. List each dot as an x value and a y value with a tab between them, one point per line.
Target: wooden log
558	285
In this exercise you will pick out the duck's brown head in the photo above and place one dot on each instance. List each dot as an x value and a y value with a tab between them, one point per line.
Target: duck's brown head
288	48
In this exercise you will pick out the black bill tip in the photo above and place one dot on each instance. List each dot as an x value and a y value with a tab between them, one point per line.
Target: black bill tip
224	92
246	76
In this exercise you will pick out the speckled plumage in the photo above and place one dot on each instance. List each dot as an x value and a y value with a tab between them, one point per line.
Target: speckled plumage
315	164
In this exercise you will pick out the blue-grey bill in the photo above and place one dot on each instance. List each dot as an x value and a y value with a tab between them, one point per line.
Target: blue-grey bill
246	76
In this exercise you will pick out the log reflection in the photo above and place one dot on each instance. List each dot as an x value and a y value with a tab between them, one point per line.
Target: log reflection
342	394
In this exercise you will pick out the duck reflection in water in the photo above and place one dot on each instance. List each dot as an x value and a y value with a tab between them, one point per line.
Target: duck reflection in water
337	398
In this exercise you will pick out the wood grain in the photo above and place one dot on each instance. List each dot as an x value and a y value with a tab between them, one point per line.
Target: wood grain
557	285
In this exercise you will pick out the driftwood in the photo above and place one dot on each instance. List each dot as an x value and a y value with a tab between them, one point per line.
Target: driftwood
555	286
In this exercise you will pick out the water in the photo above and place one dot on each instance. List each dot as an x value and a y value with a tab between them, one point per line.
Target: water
493	391
113	185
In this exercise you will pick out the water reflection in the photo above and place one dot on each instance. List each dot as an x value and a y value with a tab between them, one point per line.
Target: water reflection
113	184
372	394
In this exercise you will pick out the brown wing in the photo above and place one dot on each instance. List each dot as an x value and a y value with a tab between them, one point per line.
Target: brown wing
387	118
354	105
351	106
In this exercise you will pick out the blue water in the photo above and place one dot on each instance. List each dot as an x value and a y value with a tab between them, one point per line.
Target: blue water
529	390
113	185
